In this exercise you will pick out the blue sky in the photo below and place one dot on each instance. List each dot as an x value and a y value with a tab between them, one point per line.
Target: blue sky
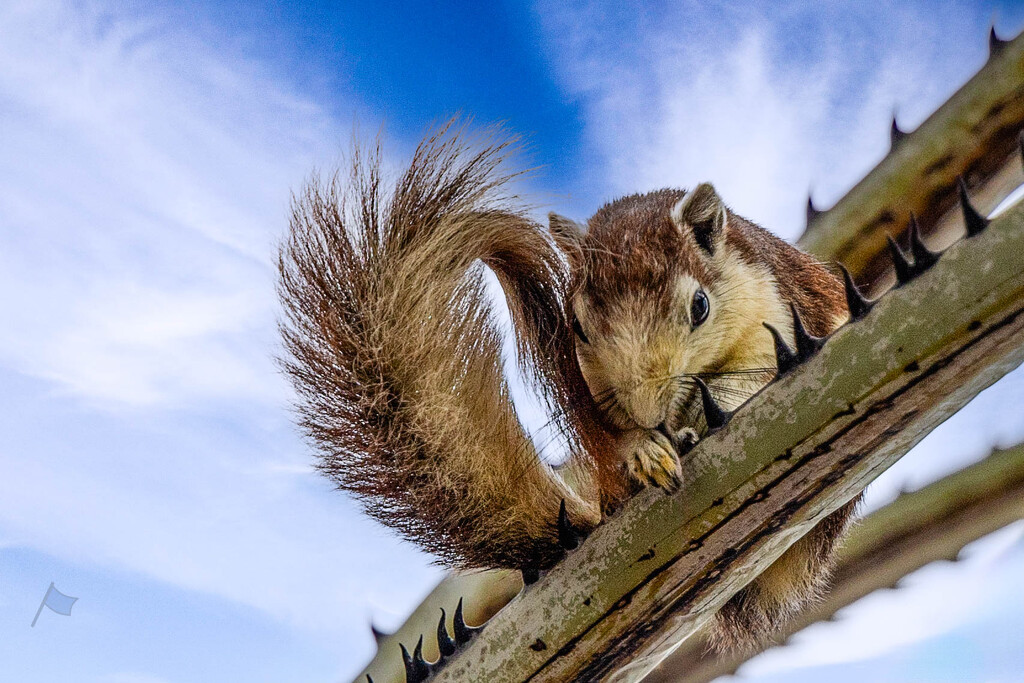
148	464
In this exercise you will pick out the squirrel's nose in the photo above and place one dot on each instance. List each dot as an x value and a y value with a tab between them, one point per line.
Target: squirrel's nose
646	408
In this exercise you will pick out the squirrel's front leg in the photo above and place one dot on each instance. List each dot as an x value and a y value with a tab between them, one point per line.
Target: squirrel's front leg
651	458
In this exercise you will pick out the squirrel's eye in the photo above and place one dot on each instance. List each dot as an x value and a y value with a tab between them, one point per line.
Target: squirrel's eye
578	329
699	308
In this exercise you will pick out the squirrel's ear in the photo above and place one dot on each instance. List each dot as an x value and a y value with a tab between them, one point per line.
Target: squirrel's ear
568	236
702	212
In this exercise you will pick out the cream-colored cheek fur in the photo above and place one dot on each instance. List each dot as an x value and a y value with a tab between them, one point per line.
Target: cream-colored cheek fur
631	369
634	371
733	338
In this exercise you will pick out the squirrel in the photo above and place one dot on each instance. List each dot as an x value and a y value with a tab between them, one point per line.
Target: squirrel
395	357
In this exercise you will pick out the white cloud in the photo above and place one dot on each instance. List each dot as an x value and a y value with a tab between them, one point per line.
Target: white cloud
132	677
144	180
767	103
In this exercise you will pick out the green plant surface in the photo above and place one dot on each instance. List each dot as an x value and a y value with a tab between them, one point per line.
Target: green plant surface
974	134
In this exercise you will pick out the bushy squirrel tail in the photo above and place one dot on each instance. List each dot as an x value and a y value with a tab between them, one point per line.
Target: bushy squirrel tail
396	360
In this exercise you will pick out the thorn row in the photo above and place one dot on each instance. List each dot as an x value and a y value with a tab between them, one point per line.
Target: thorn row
569	538
418	669
806	344
445	644
920	258
907	265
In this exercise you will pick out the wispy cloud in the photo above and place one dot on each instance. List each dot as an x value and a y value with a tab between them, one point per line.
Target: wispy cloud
131	677
767	102
144	180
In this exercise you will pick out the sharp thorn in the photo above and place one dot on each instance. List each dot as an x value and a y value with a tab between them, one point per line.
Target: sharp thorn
531	575
785	359
806	344
378	635
924	258
812	211
368	679
713	413
973	221
411	672
995	43
567	536
858	304
896	135
463	633
904	271
444	642
422	667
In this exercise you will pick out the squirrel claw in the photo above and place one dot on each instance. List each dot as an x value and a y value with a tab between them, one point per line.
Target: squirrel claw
656	463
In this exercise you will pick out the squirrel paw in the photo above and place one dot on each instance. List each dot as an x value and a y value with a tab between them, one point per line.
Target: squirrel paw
656	463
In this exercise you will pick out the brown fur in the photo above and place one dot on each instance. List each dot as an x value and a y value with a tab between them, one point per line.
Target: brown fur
397	365
636	268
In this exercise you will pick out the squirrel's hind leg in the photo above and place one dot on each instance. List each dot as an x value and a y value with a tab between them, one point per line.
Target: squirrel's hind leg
796	579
